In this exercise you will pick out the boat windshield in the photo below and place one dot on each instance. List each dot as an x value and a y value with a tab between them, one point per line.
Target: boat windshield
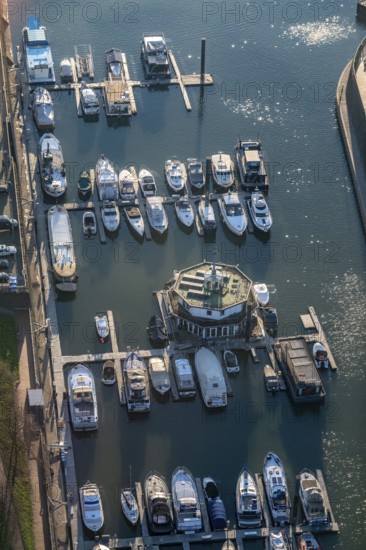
234	210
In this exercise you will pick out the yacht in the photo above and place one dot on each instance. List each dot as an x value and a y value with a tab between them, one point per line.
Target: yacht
195	174
42	109
136	383
129	506
38	55
126	187
248	501
159	375
106	179
89	100
110	216
89	223
215	506
320	355
135	219
52	166
155	58
113	58
183	375
222	170
312	499
185	501
61	244
82	399
175	174
276	488
231	362
207	216
84	183
259	211
184	211
279	541
156	214
233	213
158	504
147	183
211	378
66	71
102	327
250	164
91	507
262	293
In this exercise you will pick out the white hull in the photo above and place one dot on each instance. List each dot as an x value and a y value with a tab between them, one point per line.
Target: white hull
276	488
211	379
185	501
207	216
52	167
82	399
126	187
91	507
320	356
176	176
156	214
233	213
231	362
106	179
136	384
195	174
61	244
89	223
42	108
259	212
223	170
147	183
89	101
135	220
158	504
262	293
111	216
184	211
159	375
312	499
248	501
129	506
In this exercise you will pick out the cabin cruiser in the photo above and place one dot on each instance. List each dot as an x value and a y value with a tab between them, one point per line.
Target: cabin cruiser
66	71
61	244
156	331
159	375
113	58
279	541
129	506
262	293
175	174
184	211
38	55
222	170
126	187
231	362
250	164
183	375
136	383
109	373
211	378
215	506
207	216
52	166
259	211
111	216
147	183
320	355
91	507
307	541
156	214
312	499
7	250
82	398
154	53
195	173
271	379
158	504
185	501
42	109
89	223
248	500
84	183
276	488
89	100
106	179
233	213
102	326
135	219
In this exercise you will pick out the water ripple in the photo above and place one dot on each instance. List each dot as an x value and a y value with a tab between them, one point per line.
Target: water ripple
319	32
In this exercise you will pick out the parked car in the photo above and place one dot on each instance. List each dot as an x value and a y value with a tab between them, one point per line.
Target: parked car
7	223
6	250
4	277
4	264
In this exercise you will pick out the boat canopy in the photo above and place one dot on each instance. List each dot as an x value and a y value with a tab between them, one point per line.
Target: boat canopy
217	514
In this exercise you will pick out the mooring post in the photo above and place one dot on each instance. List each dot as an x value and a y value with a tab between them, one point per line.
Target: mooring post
203	58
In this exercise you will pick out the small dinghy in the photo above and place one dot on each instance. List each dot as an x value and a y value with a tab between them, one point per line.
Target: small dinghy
84	183
89	223
129	506
157	332
231	362
109	373
320	355
262	293
135	219
101	324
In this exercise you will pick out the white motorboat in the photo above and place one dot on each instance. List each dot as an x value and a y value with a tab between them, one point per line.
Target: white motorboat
147	183
223	170
185	501
207	216
279	541
159	375
82	399
211	378
106	179
111	216
195	173
137	388
262	293
42	109
52	166
102	327
61	244
156	214
89	100
175	174
158	504
276	488
66	71
312	499
89	223
135	219
320	355
129	506
155	57
250	163
126	187
259	211
231	362
233	213
91	507
7	250
248	501
109	373
184	375
184	211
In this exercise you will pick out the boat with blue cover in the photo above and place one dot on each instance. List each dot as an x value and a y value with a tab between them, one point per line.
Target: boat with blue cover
215	505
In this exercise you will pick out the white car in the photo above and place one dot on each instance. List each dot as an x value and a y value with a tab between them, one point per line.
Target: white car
6	250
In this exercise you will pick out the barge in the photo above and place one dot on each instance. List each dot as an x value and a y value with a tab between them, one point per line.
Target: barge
62	248
250	165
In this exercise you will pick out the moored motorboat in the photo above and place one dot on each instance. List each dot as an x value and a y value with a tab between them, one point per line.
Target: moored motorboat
312	499
215	505
186	505
89	223
248	500
175	174
271	378
156	214
195	173
184	211
106	180
159	375
222	170
126	187
84	183
52	166
250	164
61	245
307	541
183	375
102	326
113	58
147	183
66	71
91	507
231	362
156	331
136	383
158	504
42	109
276	489
110	216
211	378
89	100
37	53
262	293
82	399
233	213
155	57
129	506
109	373
207	216
135	219
320	355
278	540
259	211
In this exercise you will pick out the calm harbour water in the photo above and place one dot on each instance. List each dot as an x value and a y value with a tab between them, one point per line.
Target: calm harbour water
275	68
